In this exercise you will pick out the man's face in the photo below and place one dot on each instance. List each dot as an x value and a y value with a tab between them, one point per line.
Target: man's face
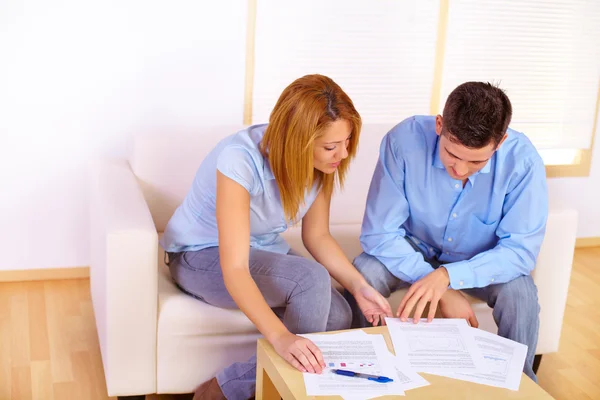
460	161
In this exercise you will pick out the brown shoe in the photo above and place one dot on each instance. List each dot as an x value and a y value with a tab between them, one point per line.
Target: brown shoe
209	390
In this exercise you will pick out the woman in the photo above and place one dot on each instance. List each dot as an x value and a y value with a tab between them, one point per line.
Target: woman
223	241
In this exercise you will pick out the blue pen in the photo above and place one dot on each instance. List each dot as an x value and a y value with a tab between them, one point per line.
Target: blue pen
375	378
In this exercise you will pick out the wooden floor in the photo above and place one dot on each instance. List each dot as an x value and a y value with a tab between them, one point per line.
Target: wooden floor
574	372
49	347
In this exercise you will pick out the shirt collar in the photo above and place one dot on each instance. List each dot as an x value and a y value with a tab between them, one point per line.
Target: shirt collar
437	161
483	170
488	166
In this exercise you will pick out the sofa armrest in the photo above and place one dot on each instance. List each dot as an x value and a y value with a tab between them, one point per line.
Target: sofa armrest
123	277
552	275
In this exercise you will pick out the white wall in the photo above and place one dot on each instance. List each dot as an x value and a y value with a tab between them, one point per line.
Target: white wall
582	194
77	79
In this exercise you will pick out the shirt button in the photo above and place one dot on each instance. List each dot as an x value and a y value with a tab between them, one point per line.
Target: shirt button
447	252
457	186
431	249
449	239
460	283
454	215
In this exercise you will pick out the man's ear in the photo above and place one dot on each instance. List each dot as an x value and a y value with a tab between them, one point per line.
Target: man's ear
439	123
502	140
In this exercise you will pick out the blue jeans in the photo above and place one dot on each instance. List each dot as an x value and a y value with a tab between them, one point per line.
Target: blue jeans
297	289
515	303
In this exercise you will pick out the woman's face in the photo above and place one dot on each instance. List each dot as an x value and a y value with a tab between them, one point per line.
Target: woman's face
332	147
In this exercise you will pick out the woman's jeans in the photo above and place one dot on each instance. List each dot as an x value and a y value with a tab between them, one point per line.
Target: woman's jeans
297	289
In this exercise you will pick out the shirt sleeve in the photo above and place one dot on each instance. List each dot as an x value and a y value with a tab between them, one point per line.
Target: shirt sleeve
237	164
520	232
387	209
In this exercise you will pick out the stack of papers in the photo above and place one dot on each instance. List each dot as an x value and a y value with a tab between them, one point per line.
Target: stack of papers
360	352
446	347
451	348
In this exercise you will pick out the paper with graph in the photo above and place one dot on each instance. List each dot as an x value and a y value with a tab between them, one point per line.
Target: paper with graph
442	346
503	358
358	352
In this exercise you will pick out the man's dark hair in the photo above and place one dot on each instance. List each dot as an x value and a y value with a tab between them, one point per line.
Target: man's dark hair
476	114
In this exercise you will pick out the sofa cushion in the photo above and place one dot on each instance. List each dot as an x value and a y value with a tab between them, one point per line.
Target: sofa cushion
165	165
185	315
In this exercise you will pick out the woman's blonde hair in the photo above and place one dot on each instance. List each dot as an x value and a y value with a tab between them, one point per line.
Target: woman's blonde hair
304	110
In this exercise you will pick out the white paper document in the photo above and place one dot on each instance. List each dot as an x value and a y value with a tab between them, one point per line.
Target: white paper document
504	360
441	346
407	377
357	352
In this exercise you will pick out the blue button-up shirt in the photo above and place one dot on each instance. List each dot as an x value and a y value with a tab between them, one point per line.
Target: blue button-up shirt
193	226
487	232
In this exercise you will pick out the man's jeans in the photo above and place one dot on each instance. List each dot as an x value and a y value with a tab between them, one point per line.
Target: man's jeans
515	304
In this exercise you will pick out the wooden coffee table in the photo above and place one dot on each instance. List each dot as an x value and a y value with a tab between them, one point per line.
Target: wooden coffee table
276	379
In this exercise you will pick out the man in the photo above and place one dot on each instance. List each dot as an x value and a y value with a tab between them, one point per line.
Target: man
458	203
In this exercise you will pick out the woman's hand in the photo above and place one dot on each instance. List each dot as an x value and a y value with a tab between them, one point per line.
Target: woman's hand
303	354
373	305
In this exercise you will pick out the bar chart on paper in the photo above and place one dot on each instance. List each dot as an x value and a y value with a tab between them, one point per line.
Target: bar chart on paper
350	364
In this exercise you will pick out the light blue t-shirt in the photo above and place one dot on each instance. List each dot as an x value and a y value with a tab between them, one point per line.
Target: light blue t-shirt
490	231
193	226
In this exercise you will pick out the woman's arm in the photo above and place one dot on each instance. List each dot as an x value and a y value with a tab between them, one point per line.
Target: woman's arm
322	246
233	221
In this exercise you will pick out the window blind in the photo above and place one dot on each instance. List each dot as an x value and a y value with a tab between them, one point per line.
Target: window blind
381	53
544	53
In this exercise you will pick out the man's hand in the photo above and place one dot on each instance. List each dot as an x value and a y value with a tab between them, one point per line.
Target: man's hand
454	305
373	305
429	289
302	353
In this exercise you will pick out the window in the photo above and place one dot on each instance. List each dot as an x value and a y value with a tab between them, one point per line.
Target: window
545	54
399	58
381	53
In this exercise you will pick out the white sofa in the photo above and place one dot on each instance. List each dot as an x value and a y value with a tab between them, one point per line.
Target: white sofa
154	338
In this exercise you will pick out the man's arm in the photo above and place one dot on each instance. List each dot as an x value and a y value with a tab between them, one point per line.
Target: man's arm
521	232
387	209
